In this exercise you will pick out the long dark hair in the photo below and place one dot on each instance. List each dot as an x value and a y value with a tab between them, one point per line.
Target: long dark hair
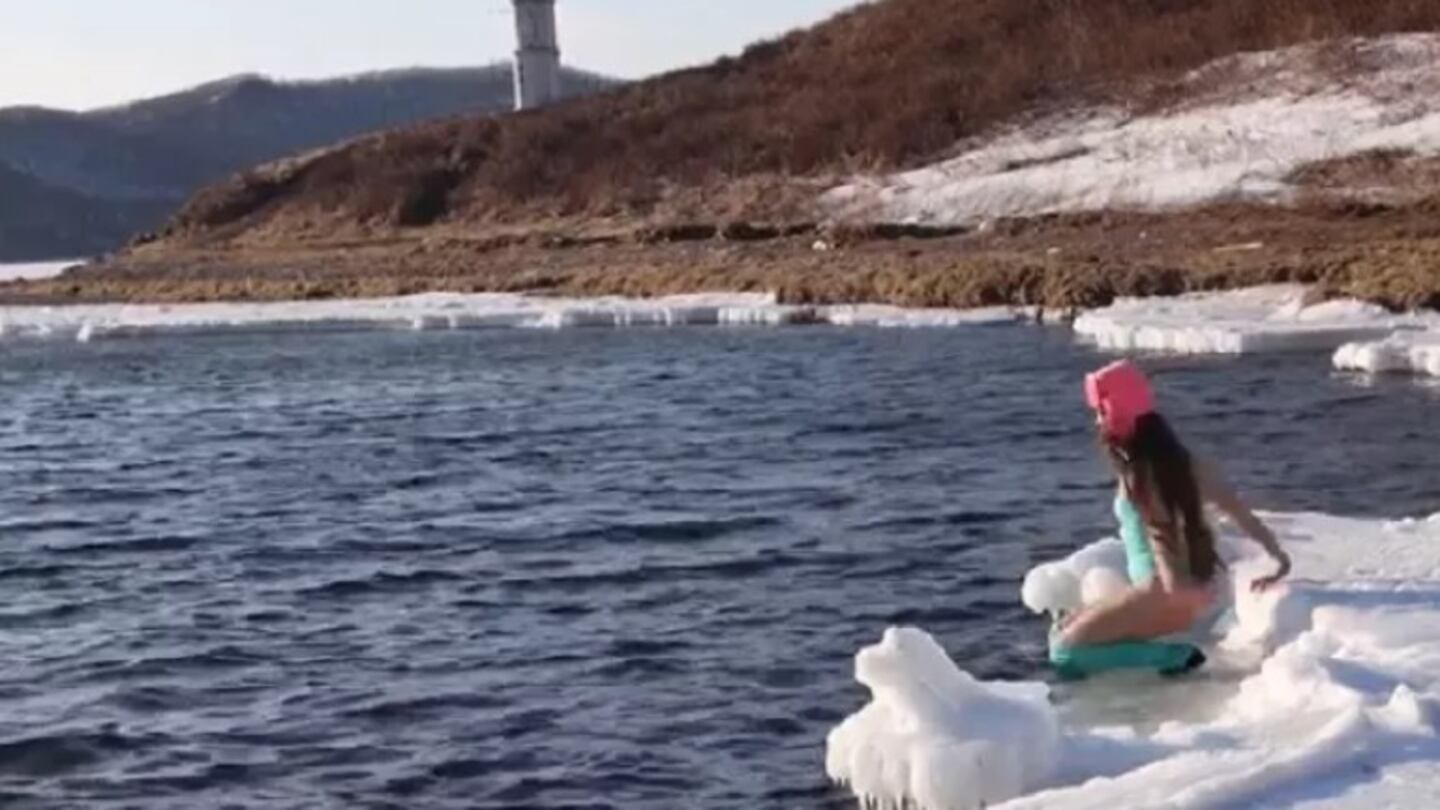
1158	471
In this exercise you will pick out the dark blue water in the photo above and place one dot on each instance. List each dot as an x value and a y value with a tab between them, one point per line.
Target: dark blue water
618	569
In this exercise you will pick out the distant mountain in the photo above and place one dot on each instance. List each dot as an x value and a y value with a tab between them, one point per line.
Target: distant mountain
40	221
79	183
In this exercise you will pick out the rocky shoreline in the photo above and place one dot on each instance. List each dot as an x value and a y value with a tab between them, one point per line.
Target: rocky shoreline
1385	254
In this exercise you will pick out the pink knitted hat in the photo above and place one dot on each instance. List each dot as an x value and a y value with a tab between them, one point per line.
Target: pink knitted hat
1121	395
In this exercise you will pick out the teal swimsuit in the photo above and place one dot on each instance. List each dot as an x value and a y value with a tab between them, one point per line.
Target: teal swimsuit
1139	557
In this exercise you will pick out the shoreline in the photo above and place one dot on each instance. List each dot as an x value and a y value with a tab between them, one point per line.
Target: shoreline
1384	255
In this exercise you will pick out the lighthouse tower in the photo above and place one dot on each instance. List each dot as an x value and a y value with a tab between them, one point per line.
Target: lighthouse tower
537	59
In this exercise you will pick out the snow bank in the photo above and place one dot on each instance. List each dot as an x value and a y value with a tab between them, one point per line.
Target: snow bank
35	270
935	736
1331	697
1271	115
463	311
1258	319
1410	351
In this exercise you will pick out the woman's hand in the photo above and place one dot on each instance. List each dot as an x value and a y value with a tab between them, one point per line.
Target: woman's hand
1265	583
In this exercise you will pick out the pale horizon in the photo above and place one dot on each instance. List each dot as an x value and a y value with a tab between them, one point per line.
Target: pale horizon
88	54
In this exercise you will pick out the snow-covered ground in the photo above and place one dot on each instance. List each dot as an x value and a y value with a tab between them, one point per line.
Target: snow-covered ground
1323	693
1250	121
35	270
463	311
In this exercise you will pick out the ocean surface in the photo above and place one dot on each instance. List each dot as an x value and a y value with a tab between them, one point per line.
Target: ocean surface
576	568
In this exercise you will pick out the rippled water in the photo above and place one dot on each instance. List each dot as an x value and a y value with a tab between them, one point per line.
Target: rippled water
585	568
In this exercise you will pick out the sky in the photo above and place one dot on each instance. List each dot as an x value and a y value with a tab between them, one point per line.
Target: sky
80	54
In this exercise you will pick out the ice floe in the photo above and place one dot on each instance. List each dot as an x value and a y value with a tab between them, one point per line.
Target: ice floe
1258	319
1408	351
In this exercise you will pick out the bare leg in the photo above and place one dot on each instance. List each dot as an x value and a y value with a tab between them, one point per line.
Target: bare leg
1139	614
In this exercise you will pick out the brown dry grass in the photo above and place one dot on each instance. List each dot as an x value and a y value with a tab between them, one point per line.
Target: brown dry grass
1387	254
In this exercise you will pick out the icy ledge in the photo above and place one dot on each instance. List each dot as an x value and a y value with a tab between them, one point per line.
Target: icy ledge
465	311
1329	696
1411	351
1258	319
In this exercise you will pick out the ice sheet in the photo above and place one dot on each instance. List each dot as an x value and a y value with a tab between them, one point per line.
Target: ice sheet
1258	319
465	311
1332	698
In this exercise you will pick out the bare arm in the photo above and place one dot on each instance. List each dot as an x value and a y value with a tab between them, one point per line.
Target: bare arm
1217	491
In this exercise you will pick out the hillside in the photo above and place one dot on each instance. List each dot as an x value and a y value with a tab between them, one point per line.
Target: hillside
123	169
885	85
917	152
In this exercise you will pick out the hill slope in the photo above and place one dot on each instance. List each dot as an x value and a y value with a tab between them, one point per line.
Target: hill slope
885	85
128	166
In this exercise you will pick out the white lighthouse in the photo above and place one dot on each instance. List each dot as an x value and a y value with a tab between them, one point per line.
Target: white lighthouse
537	59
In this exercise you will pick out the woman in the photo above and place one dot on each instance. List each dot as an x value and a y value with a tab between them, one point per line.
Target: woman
1169	547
